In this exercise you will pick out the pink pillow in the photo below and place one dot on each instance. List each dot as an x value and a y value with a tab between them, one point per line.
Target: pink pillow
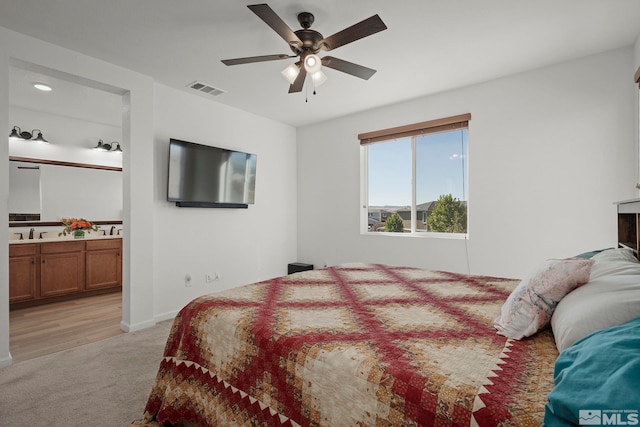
531	304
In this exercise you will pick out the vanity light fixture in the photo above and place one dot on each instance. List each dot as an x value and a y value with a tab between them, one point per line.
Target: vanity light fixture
102	146
18	134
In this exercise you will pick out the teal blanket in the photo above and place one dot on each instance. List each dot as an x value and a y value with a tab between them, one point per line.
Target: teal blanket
597	380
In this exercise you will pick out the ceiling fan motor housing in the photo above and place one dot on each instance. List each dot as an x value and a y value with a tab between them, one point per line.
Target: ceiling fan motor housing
306	19
310	38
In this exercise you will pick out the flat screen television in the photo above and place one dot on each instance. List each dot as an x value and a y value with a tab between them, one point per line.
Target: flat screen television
210	177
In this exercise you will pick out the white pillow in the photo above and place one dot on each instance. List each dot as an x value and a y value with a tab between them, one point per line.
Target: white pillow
531	304
614	261
611	298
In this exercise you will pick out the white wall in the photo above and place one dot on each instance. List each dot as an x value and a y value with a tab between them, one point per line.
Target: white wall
636	53
550	150
5	355
242	245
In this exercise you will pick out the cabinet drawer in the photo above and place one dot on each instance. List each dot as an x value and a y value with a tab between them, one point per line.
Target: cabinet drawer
23	249
93	245
60	247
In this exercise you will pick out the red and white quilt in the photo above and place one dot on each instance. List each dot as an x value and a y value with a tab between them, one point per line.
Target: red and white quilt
352	345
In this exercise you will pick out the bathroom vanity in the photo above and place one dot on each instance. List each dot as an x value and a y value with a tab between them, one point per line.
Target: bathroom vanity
50	270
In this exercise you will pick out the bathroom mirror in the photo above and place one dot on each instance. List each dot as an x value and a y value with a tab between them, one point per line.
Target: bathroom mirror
54	190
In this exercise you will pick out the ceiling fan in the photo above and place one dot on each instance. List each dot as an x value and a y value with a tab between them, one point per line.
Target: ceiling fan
306	43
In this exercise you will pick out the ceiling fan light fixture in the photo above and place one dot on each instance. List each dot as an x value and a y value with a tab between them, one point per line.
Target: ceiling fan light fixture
291	73
312	63
318	78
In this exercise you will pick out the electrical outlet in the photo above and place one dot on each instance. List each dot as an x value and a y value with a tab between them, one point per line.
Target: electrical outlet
187	279
211	277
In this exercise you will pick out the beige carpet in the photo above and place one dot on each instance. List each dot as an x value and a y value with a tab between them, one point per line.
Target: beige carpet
101	384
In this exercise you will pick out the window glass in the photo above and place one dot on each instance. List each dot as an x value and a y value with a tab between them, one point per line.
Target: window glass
441	181
389	185
438	199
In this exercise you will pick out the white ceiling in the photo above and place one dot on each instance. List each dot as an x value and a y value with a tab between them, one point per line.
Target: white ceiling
430	45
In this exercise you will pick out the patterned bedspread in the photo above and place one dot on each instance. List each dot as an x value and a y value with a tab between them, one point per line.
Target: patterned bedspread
352	345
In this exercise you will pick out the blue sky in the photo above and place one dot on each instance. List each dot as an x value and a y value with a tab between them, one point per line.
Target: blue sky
440	169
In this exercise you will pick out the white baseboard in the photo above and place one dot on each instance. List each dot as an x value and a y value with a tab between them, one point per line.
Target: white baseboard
144	325
6	361
136	327
166	316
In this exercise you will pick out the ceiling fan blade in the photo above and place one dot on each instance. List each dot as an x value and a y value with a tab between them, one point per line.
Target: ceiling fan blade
355	32
348	67
267	14
299	82
251	59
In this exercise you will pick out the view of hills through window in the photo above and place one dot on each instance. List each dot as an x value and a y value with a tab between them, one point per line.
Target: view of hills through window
440	183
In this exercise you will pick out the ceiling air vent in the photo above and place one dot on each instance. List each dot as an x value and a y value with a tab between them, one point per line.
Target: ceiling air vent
205	88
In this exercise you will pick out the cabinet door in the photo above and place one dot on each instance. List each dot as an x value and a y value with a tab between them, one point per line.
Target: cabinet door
22	278
104	268
61	273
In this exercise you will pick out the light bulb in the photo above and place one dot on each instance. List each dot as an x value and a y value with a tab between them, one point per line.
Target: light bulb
312	63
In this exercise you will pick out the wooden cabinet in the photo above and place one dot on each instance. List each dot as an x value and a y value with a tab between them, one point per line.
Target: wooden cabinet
629	224
52	271
104	263
22	272
61	268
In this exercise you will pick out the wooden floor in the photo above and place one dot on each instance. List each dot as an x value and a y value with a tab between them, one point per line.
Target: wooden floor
50	328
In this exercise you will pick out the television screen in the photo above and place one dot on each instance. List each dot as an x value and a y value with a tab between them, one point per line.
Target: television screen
205	176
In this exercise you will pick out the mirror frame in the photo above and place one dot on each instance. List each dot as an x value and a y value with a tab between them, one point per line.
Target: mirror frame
59	163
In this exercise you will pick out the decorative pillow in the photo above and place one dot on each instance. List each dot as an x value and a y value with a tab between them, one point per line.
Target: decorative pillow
611	298
531	304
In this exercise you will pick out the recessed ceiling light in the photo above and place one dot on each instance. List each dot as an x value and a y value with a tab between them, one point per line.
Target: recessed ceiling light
43	87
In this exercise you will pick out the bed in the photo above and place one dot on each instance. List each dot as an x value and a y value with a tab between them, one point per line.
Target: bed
353	345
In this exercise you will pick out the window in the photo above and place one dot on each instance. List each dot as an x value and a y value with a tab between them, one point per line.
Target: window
415	178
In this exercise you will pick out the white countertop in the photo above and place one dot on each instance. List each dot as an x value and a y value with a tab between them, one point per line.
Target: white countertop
68	238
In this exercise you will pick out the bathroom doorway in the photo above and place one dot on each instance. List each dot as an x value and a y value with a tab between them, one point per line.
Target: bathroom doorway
73	117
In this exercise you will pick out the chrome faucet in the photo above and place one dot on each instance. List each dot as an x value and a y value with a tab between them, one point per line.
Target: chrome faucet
31	233
113	227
